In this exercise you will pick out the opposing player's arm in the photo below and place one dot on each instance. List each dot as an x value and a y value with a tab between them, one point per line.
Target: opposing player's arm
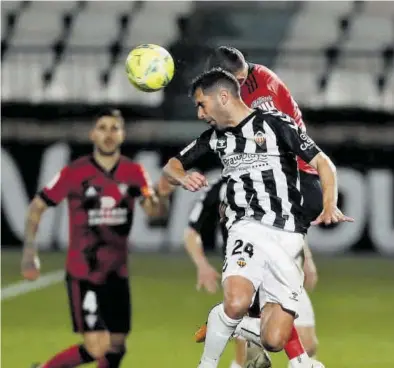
53	193
150	202
176	168
33	217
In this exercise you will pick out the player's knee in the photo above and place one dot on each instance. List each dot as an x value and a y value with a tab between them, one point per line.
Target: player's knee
274	340
236	306
118	345
97	345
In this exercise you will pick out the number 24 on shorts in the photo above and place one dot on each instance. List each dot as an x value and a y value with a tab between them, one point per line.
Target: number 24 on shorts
239	248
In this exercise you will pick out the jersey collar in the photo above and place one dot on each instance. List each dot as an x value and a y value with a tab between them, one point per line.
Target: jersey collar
99	167
242	123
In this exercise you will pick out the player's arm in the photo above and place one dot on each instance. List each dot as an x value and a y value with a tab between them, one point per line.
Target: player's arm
310	270
152	204
176	168
303	146
30	264
53	193
206	274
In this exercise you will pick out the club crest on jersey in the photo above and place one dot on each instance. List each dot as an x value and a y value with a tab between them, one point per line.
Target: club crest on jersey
122	188
91	192
259	138
221	143
241	262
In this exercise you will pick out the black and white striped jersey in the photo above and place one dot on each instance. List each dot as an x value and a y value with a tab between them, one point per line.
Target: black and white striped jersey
260	167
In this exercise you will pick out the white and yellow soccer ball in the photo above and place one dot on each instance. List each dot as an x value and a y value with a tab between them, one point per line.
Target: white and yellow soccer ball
149	67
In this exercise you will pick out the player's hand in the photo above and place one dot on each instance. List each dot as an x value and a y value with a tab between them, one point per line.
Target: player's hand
310	273
30	266
207	278
194	181
331	215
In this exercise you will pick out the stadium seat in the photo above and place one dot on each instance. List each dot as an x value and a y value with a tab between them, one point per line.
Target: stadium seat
388	93
351	88
312	32
327	8
361	36
380	8
22	78
8	6
120	90
31	30
156	23
77	78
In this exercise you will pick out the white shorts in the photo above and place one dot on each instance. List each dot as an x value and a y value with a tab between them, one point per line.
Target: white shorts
306	316
266	257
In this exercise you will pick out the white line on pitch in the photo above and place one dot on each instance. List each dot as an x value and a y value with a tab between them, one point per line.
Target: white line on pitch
24	287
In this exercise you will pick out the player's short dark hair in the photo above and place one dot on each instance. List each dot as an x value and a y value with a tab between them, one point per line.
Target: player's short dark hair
115	113
214	78
227	58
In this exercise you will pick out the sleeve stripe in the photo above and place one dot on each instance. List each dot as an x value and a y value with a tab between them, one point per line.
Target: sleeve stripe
46	199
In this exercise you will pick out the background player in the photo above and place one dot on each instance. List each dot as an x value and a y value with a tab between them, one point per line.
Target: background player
101	190
262	88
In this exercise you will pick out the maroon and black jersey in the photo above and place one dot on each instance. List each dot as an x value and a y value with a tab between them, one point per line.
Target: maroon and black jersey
100	205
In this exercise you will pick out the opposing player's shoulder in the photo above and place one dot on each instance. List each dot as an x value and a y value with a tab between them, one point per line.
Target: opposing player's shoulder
131	166
276	117
80	162
265	73
135	171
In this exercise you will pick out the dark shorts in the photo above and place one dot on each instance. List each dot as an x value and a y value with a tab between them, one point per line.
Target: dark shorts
104	307
313	197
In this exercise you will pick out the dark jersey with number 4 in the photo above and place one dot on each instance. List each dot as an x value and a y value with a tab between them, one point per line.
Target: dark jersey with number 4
100	207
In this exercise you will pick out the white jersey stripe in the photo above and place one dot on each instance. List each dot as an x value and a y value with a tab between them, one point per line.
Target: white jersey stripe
279	176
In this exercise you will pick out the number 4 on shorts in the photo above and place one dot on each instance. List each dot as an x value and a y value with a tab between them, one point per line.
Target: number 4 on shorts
239	248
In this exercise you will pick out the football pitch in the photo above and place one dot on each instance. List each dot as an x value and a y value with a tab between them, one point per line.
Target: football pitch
354	305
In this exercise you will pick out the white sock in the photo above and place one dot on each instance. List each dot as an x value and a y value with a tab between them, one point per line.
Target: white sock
220	327
302	361
234	364
249	329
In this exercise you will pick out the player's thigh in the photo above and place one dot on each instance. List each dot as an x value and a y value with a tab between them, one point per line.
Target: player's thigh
84	303
115	304
312	194
282	277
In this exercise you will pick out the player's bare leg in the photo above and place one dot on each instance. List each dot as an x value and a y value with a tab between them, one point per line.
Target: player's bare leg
278	333
224	318
240	353
115	353
309	340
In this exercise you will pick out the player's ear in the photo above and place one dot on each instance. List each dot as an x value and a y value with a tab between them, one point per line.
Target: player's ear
224	96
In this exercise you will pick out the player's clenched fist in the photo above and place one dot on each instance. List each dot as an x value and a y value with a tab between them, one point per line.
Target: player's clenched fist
30	267
194	181
331	215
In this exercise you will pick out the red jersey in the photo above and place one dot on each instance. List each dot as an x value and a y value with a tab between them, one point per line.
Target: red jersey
100	207
265	90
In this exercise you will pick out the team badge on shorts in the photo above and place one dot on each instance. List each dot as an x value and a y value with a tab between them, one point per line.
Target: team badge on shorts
259	138
241	262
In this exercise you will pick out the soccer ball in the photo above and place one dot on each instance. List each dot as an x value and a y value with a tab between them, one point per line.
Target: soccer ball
149	67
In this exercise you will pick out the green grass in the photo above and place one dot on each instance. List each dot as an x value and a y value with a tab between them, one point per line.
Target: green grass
354	303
